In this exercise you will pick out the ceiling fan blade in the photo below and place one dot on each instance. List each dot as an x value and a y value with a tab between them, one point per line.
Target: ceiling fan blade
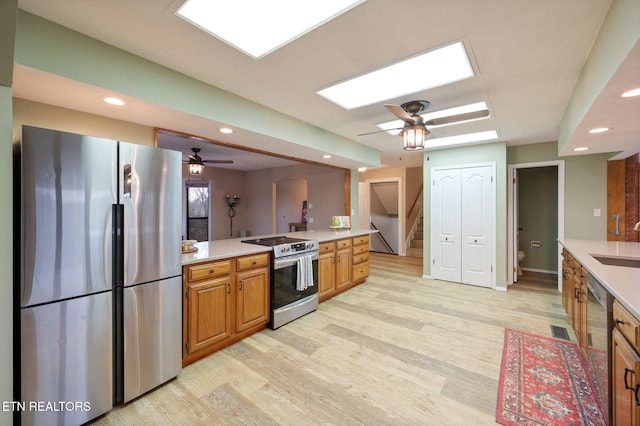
380	131
218	161
399	112
459	117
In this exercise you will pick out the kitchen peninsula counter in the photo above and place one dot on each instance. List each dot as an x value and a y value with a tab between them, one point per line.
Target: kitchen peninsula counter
622	282
234	247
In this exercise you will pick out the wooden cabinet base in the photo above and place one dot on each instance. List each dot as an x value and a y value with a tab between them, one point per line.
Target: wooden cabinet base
188	358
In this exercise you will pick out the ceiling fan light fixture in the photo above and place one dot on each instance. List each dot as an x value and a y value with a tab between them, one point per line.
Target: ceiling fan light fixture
413	137
195	169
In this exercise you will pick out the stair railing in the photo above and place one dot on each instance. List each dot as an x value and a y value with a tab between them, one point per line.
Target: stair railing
383	239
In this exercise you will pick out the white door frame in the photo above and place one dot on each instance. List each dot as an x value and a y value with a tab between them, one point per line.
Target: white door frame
402	251
512	232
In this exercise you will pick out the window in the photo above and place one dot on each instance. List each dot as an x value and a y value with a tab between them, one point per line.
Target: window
198	210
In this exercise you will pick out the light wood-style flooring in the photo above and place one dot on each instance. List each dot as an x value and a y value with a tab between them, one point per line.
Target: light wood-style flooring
396	350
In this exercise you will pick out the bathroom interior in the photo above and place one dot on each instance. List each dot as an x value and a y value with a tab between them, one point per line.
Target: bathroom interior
537	220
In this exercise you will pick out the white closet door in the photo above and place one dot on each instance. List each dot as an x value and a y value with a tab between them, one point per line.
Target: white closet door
445	225
477	206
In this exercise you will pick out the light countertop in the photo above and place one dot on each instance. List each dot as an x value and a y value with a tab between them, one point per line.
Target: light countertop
622	282
233	247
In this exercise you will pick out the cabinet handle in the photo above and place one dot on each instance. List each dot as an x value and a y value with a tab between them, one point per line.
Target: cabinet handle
254	262
241	282
619	321
626	385
636	396
212	271
228	288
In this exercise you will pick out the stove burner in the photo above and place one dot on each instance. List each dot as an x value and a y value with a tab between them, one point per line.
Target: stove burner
273	241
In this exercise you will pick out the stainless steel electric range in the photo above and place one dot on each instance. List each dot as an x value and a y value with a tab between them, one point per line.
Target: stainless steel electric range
294	277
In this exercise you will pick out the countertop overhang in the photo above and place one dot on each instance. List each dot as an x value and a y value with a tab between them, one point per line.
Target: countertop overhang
621	281
234	247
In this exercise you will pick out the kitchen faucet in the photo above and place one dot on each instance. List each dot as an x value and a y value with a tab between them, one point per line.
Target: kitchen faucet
637	227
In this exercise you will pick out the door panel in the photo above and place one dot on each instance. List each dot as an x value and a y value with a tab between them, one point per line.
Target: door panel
445	225
152	335
150	188
66	355
477	233
67	193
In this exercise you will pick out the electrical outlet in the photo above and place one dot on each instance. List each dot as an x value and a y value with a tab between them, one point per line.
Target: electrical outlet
310	220
597	212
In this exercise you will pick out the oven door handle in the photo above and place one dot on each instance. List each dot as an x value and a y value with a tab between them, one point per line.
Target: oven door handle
291	261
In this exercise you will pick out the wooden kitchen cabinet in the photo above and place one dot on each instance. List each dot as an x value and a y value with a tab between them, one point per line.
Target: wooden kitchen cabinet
224	301
342	265
625	367
574	298
326	270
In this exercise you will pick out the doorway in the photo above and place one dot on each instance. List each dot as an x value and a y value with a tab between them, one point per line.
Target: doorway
381	207
530	206
290	205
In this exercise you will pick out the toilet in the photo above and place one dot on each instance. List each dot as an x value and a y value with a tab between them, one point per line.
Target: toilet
521	257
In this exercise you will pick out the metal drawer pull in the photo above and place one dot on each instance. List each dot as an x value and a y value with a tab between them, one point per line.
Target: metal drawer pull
626	372
212	271
228	288
617	321
636	396
241	284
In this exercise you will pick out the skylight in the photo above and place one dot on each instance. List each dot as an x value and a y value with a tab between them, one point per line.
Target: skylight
461	139
426	71
258	27
462	109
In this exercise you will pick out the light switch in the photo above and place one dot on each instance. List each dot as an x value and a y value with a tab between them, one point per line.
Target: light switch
597	212
310	220
310	205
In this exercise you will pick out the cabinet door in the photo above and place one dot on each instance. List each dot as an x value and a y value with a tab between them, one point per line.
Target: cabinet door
209	313
252	298
625	371
343	273
326	274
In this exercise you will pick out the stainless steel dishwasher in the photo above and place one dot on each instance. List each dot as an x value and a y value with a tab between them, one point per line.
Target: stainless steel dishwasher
599	327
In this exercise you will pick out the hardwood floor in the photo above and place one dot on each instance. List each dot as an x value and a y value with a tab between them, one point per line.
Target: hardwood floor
397	349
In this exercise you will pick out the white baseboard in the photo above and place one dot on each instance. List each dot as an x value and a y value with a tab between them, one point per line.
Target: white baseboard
544	271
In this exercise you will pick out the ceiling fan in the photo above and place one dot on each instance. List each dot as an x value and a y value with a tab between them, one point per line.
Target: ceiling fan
196	159
409	112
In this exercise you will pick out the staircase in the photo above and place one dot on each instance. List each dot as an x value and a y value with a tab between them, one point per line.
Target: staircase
415	247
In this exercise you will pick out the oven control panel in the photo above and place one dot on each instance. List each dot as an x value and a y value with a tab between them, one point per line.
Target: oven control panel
295	248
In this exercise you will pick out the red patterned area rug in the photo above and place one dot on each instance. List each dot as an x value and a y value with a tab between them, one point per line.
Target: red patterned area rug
544	381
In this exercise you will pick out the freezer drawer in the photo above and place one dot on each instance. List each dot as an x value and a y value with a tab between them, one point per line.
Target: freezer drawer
152	335
66	356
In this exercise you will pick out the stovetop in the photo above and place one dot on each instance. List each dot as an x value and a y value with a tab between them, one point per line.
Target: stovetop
285	246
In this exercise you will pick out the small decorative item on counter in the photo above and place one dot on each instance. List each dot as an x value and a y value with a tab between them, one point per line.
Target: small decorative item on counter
188	246
341	222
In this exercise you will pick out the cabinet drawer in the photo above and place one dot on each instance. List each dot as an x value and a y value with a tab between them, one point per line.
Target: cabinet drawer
207	270
343	243
327	248
360	271
628	325
360	249
362	257
255	261
363	239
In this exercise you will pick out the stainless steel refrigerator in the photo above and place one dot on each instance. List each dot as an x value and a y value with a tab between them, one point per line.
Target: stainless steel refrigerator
100	306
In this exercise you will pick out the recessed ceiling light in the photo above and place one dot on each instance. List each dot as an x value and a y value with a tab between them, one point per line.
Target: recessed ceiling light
114	101
581	148
258	27
461	139
226	130
362	169
599	130
478	106
631	93
326	156
426	71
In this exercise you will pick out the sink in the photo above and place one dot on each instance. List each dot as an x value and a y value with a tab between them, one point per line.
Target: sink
630	262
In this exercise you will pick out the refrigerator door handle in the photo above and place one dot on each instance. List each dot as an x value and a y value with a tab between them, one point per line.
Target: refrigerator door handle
118	245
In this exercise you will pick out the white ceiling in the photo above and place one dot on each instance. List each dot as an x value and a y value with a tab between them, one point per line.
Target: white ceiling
527	56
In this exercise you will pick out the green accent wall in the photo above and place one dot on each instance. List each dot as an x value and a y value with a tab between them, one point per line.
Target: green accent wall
46	46
585	187
494	152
